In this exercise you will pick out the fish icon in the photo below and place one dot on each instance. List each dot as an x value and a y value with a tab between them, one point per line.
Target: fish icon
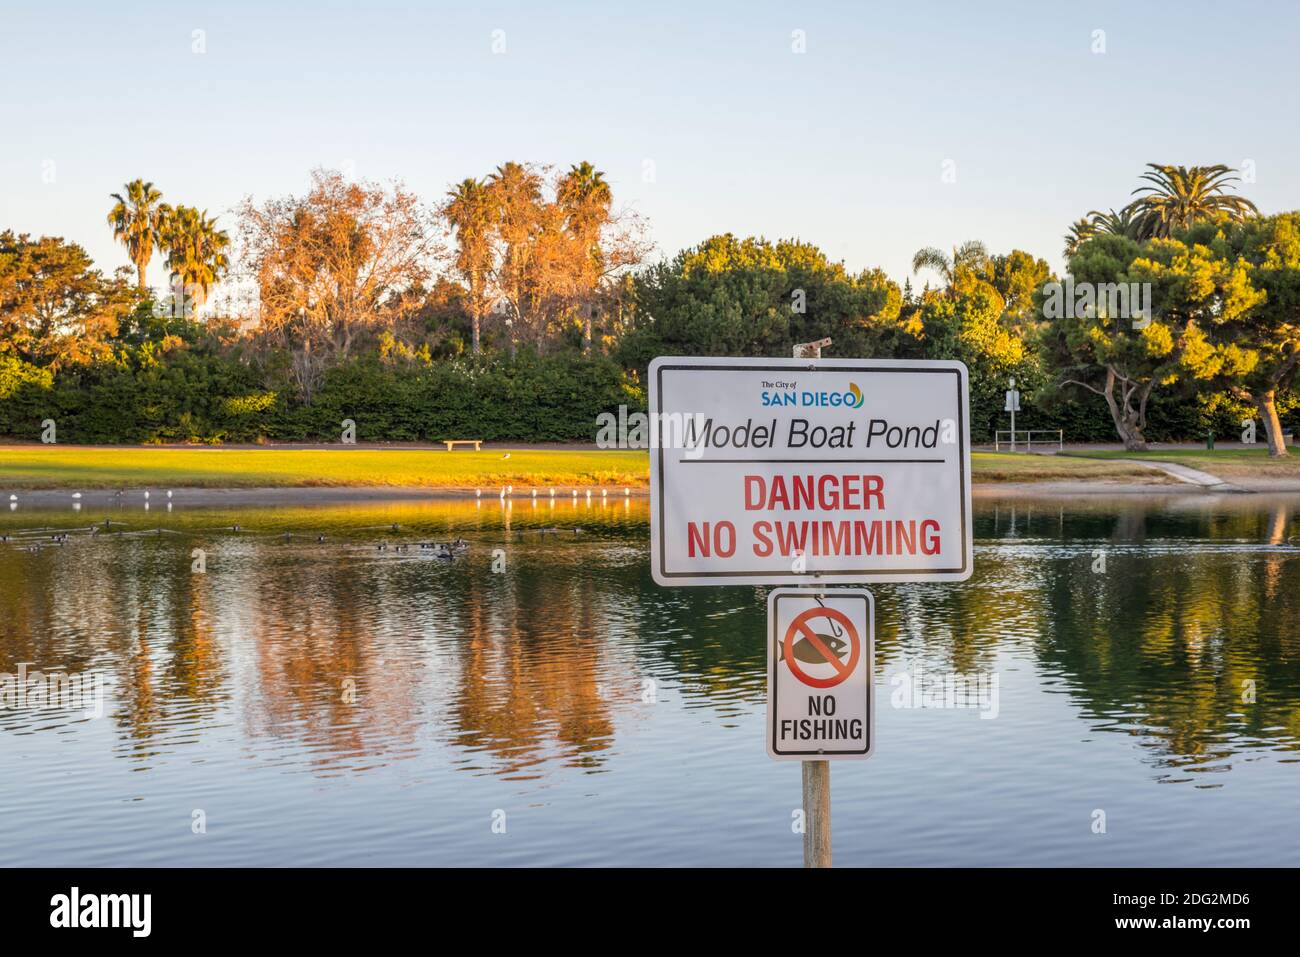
805	651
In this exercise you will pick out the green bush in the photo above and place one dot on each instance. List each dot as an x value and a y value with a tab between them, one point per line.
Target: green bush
199	393
189	395
24	397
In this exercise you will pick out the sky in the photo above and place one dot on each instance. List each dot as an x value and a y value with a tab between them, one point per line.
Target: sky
704	116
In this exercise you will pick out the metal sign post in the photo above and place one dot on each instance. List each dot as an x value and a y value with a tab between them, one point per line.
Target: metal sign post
1013	406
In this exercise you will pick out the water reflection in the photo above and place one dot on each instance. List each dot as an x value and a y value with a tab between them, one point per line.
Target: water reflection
326	640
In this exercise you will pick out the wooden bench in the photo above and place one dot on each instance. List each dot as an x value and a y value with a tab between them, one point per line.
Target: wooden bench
452	443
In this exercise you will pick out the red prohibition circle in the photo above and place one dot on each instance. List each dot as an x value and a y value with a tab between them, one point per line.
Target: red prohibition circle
800	624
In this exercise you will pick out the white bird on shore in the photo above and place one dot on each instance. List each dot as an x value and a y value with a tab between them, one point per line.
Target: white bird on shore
13	498
169	493
146	494
76	495
478	493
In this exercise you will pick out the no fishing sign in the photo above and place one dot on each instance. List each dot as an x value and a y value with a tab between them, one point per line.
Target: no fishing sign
820	655
816	471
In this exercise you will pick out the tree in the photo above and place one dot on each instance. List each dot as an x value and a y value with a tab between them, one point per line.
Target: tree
1080	231
969	257
1124	357
55	307
1263	257
1126	222
517	201
196	251
471	212
751	297
335	265
137	219
585	199
969	324
1017	277
1179	197
546	251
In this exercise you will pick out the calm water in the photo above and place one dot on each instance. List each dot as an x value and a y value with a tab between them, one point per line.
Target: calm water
606	720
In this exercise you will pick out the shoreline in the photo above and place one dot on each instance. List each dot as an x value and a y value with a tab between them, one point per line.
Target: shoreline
292	495
99	477
341	494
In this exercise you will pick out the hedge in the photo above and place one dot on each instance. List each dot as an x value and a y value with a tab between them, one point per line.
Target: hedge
191	397
198	396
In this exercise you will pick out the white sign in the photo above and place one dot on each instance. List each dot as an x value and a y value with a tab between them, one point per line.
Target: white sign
813	471
820	662
1013	401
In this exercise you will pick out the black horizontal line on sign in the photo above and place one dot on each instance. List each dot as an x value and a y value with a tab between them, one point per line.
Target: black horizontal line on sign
814	461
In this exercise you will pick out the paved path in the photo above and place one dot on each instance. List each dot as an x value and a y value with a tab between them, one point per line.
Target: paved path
1189	475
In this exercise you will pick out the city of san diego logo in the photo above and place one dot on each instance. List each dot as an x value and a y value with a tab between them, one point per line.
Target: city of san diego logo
787	394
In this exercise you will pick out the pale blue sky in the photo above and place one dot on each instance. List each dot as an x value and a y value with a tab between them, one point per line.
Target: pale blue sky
842	145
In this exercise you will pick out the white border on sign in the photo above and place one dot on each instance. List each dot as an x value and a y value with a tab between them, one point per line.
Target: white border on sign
821	578
869	652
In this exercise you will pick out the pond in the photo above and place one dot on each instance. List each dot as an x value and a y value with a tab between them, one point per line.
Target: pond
1118	684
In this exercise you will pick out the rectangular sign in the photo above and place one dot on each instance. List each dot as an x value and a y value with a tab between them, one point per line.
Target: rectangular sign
821	654
780	471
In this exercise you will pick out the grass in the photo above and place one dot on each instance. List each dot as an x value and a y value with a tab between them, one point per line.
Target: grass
1235	462
86	467
98	467
993	467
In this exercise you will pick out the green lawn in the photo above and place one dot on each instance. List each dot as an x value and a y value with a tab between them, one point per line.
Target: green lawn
1229	463
93	467
992	467
42	466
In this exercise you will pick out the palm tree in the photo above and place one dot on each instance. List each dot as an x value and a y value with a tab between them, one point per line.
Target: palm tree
969	256
1180	196
470	210
517	206
1081	230
196	251
1126	222
137	218
585	197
